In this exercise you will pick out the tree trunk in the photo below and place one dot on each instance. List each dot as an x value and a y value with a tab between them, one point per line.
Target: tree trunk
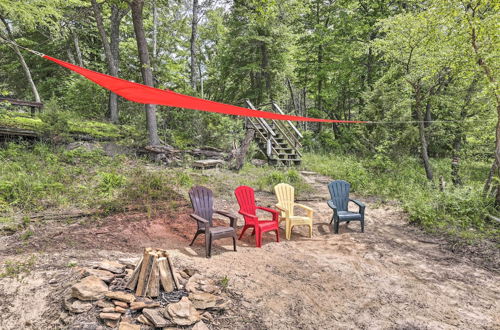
76	41
194	37
111	49
496	90
240	154
155	29
421	129
296	106
265	69
487	184
25	67
460	134
137	6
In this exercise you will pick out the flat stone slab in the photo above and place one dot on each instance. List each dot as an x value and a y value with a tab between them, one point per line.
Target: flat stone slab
122	296
207	163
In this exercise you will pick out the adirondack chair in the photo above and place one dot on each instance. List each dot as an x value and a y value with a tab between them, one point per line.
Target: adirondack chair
339	191
286	203
246	199
202	202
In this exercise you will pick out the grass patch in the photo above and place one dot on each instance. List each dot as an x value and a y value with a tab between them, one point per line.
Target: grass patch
14	268
460	211
39	177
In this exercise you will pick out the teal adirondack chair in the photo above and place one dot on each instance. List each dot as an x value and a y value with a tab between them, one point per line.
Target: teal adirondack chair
339	191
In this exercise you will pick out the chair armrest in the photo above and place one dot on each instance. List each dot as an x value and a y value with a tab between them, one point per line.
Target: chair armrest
275	213
361	205
309	210
198	218
245	214
282	209
232	217
332	206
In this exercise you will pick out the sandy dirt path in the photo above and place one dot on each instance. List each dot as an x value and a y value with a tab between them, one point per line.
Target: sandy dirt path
391	277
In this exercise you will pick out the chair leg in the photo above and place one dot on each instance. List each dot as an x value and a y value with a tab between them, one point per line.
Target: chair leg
363	226
258	237
277	235
288	229
336	226
243	231
207	245
333	219
194	238
234	242
310	231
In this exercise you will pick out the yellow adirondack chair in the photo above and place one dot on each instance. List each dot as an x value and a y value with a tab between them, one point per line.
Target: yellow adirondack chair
286	204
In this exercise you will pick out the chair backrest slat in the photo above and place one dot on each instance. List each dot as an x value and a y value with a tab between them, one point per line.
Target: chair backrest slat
203	203
246	199
339	191
286	196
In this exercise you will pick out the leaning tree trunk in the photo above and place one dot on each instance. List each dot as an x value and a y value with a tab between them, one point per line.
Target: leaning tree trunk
194	37
421	130
25	67
240	153
136	6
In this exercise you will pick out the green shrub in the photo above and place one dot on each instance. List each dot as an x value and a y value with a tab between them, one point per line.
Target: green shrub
455	210
110	181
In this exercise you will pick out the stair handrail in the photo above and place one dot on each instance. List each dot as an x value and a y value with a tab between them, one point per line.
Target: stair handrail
261	120
264	137
289	122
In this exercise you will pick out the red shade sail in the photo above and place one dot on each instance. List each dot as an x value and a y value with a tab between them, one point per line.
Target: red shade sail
148	95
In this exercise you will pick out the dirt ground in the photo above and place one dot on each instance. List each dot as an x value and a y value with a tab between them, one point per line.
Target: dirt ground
391	277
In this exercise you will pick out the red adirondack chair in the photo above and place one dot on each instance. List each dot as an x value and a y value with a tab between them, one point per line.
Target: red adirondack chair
246	199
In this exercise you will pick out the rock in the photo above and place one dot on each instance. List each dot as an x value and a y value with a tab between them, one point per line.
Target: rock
207	317
52	281
76	306
83	145
90	288
198	283
183	312
190	271
143	304
108	310
104	275
104	304
144	320
129	262
110	316
155	317
119	309
258	162
128	326
111	323
203	300
111	266
120	295
120	303
200	326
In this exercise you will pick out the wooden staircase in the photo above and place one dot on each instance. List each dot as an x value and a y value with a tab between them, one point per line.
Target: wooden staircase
278	140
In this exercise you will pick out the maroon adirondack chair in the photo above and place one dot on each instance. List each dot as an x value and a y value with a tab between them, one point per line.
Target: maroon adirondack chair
203	202
246	199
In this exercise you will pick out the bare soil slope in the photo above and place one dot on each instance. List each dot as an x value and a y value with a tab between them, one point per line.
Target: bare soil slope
391	277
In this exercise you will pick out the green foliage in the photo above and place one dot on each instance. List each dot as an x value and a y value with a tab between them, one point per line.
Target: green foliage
454	210
110	181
